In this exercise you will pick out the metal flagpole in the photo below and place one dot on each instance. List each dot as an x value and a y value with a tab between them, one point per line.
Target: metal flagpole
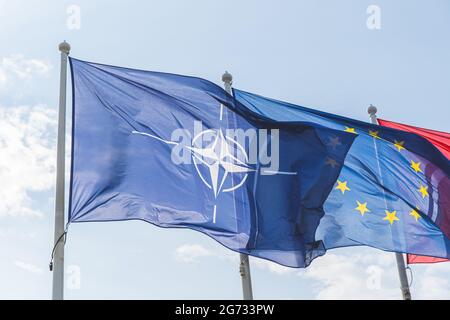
58	257
404	285
244	266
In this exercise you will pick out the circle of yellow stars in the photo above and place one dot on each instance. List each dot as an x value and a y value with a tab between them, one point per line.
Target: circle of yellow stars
362	207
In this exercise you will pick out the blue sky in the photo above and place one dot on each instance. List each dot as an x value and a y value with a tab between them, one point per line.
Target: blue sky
313	53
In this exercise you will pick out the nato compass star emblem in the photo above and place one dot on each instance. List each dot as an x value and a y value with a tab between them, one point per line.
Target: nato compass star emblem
226	161
220	154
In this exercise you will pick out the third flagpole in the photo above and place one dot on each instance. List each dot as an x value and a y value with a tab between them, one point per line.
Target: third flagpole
57	265
404	285
244	266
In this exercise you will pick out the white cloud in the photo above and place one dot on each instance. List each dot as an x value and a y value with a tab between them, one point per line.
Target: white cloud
27	156
192	252
364	273
17	67
28	267
431	281
189	253
354	276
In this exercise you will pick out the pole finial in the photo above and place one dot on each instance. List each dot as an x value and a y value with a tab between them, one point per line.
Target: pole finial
64	47
372	110
227	78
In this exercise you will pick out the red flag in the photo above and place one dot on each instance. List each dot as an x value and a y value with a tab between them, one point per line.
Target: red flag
440	140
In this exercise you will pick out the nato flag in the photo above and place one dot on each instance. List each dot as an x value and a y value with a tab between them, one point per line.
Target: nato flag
180	152
392	192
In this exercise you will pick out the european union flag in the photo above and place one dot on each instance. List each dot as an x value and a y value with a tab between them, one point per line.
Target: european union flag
392	192
180	152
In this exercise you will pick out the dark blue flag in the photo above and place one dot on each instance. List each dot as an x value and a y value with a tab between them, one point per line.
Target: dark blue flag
180	152
392	192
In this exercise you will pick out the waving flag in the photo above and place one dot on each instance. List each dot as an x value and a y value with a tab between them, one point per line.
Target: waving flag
392	192
440	140
180	152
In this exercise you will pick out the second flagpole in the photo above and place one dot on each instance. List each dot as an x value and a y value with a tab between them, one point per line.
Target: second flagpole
244	266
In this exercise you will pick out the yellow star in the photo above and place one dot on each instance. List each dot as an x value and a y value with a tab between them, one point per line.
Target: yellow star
391	216
399	145
342	186
374	134
416	166
415	214
362	208
351	130
423	190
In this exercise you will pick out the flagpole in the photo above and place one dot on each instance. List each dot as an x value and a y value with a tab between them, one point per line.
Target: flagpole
244	266
58	257
404	285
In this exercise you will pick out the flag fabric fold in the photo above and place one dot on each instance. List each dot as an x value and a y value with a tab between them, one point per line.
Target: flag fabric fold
441	140
179	152
392	192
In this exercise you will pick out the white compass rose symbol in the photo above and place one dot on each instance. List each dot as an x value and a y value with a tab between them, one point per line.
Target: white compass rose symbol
221	157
